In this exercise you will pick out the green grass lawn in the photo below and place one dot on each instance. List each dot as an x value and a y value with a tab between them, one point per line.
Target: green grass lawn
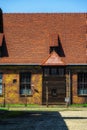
78	105
10	114
39	106
20	105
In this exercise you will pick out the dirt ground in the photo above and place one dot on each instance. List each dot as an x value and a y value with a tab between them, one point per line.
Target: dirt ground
61	120
75	120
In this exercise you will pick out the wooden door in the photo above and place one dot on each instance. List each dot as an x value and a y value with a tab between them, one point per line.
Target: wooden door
56	89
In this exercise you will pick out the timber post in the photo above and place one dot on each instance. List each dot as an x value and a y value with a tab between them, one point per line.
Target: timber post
4	102
47	93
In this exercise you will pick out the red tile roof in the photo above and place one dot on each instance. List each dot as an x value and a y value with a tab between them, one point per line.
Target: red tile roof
53	39
1	38
28	37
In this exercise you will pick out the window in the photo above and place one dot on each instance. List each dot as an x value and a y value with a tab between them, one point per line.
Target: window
54	48
46	71
0	83
82	83
54	71
59	71
25	83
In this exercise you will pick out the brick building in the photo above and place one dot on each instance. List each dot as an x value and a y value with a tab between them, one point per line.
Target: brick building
43	58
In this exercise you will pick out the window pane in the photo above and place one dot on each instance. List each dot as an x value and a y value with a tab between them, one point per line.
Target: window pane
46	71
22	91
0	77
0	91
54	71
0	80
0	88
28	91
61	71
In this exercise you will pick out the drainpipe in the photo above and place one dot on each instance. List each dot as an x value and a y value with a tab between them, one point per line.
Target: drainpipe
47	93
70	93
25	96
4	103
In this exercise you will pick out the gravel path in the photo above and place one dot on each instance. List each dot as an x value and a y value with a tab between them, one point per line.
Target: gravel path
63	120
75	120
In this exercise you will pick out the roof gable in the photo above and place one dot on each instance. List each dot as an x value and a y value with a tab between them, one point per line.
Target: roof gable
53	59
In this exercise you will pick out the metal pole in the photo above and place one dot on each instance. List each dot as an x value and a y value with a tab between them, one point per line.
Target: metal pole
70	86
25	96
46	94
4	103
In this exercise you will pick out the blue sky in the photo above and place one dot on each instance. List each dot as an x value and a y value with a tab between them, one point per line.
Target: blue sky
10	6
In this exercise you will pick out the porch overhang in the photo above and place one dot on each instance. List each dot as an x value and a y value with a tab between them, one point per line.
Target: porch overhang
53	60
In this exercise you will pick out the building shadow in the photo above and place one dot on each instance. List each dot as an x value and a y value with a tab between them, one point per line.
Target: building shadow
58	49
4	50
1	21
33	120
74	118
3	47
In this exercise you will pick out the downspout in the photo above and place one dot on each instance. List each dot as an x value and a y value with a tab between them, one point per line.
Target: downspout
70	88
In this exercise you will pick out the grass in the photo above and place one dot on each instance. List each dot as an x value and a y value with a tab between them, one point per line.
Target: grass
11	114
20	105
40	106
36	107
3	108
78	105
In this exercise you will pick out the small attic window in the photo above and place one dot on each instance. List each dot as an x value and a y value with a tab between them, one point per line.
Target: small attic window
54	48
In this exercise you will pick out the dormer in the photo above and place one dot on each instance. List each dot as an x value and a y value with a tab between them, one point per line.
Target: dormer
1	41
55	52
56	45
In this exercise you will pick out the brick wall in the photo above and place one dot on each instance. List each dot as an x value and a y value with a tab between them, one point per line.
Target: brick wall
12	95
72	81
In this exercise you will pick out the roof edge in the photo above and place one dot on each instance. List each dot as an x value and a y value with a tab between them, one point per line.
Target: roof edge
18	64
77	64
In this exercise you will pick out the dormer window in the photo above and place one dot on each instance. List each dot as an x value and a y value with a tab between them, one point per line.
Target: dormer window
54	48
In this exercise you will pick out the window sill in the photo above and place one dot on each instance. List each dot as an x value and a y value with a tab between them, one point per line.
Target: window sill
1	95
22	95
54	75
82	95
